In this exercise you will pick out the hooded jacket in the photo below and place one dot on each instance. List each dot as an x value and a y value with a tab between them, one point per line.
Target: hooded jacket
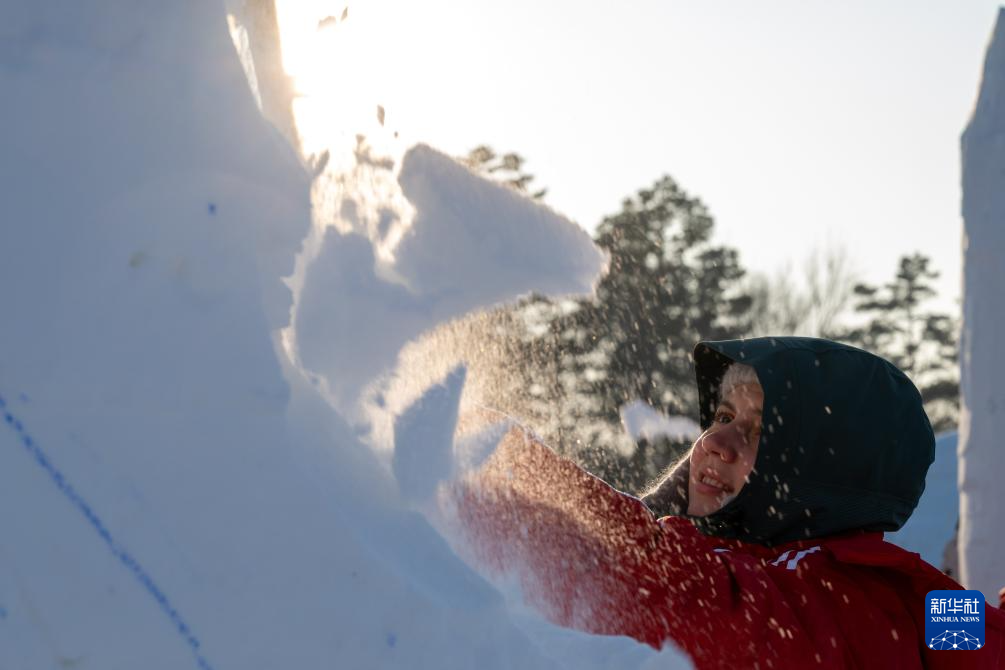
792	573
845	443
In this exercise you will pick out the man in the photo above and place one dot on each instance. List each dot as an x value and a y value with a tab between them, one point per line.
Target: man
722	458
769	550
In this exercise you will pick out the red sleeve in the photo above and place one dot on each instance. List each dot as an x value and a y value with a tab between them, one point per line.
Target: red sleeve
592	558
595	559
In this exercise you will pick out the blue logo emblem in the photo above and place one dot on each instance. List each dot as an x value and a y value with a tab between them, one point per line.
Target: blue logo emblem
954	620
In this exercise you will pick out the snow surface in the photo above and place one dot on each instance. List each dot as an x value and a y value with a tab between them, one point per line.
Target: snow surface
177	487
468	244
982	367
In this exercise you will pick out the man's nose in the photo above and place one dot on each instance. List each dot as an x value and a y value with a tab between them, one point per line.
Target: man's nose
721	443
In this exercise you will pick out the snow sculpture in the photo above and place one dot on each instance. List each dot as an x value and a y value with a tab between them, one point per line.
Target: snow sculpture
982	415
174	490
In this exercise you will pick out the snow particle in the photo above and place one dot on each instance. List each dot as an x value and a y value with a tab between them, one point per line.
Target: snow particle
392	640
211	209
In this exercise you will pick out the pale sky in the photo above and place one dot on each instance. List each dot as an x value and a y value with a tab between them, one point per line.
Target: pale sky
800	123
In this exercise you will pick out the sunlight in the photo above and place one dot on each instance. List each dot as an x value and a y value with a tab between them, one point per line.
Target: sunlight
339	66
331	55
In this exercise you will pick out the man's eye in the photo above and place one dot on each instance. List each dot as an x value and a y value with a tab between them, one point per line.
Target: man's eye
722	417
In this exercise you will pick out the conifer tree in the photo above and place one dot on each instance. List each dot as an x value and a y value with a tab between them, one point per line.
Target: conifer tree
922	343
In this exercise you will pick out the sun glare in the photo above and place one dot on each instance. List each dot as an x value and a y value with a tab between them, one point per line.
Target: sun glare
336	58
329	52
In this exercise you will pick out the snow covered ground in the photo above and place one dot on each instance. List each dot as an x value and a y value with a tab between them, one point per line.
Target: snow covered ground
186	475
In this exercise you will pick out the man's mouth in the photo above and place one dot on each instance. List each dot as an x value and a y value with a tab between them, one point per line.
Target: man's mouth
709	479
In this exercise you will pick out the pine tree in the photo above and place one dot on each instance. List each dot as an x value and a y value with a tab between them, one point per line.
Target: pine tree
922	343
667	288
580	360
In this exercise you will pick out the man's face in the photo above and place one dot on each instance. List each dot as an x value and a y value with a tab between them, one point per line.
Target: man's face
724	455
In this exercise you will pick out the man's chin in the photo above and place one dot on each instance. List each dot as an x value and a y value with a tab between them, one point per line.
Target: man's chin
712	506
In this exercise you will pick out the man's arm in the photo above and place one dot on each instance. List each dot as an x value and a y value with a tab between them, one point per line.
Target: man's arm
575	544
586	555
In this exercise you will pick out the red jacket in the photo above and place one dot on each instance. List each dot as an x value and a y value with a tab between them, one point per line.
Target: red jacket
595	559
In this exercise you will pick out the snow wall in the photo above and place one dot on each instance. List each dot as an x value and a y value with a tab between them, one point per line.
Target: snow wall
982	365
186	479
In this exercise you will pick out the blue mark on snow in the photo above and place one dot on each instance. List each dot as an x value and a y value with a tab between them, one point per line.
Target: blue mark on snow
212	208
124	557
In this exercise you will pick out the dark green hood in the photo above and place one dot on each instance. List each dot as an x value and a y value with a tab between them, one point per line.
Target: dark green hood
845	443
